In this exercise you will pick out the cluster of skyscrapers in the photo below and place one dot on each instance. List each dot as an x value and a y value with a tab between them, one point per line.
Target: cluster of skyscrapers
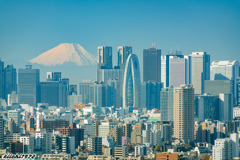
182	99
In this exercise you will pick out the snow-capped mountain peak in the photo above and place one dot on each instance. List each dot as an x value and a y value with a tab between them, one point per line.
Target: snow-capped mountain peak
66	53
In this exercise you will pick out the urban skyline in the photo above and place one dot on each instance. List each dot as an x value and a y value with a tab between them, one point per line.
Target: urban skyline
111	95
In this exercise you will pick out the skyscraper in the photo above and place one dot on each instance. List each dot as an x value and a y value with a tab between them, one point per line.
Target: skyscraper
208	107
200	70
132	83
238	91
166	103
215	87
10	79
54	76
225	107
226	70
98	94
184	113
28	86
104	57
54	93
179	70
123	53
152	64
1	131
1	79
150	94
166	65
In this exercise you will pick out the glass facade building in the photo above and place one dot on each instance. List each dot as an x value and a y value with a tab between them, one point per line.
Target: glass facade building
28	86
104	57
166	103
226	70
151	95
152	65
132	83
200	70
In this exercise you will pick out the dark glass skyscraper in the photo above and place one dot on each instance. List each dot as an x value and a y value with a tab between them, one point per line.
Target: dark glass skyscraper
152	65
10	78
1	79
28	86
151	94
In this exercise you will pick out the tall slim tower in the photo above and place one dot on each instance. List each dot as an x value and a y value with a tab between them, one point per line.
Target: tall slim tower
200	70
28	86
10	78
104	57
184	113
152	64
1	79
123	53
132	83
1	131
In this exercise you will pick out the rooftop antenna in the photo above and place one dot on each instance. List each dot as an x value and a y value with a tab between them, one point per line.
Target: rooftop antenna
155	46
152	45
128	43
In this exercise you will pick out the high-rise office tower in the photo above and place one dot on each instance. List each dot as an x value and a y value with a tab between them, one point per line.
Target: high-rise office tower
238	92
179	70
72	89
225	107
98	94
184	113
208	107
1	131
166	103
54	76
1	79
54	93
200	70
215	87
123	53
10	79
107	74
113	90
152	64
132	83
104	57
226	70
151	94
28	86
169	64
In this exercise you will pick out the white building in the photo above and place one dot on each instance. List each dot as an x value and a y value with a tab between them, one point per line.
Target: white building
200	68
227	148
105	127
107	141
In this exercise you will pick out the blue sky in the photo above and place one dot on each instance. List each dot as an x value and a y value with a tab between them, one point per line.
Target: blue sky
29	28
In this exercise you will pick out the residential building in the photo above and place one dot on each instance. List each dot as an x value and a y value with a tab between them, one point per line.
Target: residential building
184	113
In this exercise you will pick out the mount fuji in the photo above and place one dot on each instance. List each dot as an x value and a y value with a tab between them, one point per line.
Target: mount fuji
66	53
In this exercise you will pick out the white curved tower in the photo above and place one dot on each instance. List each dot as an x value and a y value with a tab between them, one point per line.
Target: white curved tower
132	83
